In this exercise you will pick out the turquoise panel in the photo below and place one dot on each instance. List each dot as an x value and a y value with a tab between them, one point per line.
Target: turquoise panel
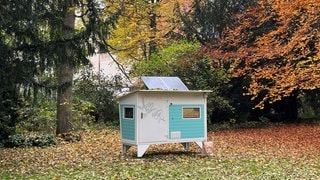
128	124
188	127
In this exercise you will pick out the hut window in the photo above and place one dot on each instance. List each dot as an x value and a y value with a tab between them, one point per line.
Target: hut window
128	112
191	112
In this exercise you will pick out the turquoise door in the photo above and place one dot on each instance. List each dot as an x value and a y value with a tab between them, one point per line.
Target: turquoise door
186	121
128	121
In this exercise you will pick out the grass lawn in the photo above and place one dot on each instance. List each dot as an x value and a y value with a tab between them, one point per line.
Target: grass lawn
276	152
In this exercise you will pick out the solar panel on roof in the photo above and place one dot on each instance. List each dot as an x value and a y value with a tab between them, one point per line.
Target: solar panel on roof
164	83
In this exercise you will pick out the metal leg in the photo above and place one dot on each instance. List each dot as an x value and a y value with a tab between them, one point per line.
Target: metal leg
141	149
200	144
125	148
186	145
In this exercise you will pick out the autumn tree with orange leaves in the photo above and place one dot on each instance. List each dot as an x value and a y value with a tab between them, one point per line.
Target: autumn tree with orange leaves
275	46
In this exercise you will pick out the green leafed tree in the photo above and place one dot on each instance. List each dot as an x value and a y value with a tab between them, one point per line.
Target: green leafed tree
39	36
185	60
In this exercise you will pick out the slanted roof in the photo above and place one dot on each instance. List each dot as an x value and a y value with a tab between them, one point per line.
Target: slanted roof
164	83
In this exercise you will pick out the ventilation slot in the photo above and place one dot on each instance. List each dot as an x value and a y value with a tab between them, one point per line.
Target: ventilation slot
176	135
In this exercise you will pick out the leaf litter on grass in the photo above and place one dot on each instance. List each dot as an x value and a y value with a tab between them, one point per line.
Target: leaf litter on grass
245	152
290	140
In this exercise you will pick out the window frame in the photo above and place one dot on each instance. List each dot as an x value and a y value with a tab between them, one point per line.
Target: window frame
191	107
124	112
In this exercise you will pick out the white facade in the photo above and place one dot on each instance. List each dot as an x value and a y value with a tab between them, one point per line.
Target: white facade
161	116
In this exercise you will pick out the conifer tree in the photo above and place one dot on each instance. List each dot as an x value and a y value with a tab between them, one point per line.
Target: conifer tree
36	36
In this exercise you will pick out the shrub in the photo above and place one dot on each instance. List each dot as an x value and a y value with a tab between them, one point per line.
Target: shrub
8	117
19	140
41	118
100	91
184	59
310	105
83	113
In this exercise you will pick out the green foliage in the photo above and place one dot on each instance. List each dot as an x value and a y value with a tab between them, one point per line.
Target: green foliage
98	92
208	19
310	105
217	80
164	62
161	63
83	114
183	59
11	82
8	119
19	140
40	118
35	40
154	66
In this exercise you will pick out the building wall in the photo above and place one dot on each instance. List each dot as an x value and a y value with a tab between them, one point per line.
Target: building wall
185	127
159	114
104	64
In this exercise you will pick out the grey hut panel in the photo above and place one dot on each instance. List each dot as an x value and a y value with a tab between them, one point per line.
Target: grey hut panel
164	83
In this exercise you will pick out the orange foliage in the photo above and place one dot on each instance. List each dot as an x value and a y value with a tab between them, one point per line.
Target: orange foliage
275	44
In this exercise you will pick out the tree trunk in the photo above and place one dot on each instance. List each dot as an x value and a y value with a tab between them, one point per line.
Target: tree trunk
153	28
65	78
64	99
